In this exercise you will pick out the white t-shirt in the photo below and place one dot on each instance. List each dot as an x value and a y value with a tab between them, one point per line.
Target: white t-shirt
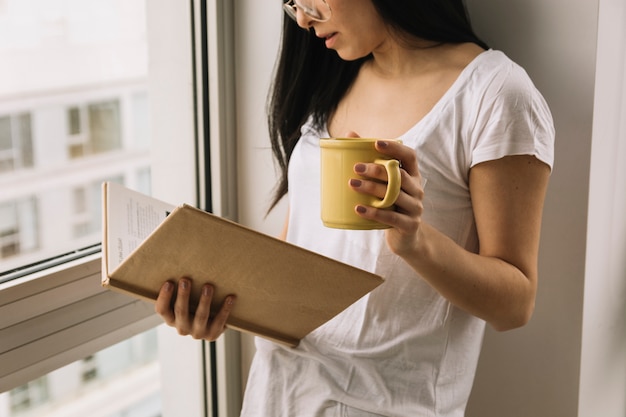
402	350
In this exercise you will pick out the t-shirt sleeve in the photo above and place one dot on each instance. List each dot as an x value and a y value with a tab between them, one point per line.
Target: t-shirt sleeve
512	119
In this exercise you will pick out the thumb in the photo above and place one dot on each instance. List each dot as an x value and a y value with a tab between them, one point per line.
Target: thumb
352	134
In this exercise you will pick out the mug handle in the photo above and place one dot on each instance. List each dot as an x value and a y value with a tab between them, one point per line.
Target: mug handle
393	183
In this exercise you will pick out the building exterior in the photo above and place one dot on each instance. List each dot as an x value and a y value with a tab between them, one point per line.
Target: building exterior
74	112
119	381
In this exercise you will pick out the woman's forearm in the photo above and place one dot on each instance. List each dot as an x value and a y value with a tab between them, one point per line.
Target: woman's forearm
487	287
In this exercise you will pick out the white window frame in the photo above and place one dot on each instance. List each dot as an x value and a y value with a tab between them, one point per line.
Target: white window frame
53	317
60	314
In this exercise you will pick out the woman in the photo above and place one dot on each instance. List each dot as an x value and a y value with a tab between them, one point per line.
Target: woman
460	252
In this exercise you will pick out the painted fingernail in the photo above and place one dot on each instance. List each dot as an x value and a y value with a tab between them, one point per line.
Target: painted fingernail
381	143
168	287
206	290
184	284
361	209
230	300
355	183
359	168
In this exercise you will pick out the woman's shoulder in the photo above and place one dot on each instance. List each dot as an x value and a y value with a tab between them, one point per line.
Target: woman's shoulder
494	75
494	65
494	58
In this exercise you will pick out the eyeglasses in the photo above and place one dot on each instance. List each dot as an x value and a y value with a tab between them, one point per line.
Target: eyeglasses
317	10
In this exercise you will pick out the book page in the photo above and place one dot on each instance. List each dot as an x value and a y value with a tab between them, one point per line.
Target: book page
131	217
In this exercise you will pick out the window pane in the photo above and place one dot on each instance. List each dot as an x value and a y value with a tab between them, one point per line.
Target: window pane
6	145
25	141
120	381
73	112
104	126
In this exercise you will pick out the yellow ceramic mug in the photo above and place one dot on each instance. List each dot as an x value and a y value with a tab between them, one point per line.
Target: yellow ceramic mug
338	199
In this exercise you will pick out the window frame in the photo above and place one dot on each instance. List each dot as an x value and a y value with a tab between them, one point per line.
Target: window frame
58	314
61	314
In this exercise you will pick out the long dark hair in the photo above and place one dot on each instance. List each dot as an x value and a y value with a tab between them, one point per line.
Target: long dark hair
310	80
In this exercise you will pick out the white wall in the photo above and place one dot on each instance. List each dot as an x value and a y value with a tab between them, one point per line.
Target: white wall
567	357
534	371
257	36
603	364
555	366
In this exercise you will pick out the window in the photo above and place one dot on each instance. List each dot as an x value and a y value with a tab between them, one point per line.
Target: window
18	227
87	386
75	110
55	313
87	208
16	147
27	396
94	128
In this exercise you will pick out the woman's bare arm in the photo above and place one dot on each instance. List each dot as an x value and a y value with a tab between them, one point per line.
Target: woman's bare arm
499	283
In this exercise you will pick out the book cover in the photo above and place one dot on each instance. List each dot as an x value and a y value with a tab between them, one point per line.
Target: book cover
283	291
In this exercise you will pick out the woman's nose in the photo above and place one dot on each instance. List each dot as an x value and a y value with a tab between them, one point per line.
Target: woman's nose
304	21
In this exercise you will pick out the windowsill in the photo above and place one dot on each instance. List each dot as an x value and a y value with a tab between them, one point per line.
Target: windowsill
54	317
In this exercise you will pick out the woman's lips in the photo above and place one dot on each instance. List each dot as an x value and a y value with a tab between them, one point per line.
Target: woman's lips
329	40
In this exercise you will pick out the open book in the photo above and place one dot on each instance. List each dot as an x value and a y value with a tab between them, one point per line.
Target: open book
283	291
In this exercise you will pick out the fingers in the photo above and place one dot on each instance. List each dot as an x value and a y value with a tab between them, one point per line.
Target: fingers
203	312
406	217
406	225
218	324
181	307
199	324
404	154
410	200
374	183
205	327
395	150
163	303
351	134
